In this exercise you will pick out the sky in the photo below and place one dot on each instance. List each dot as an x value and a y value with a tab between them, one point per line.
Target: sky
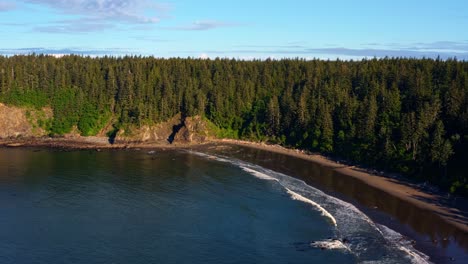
241	29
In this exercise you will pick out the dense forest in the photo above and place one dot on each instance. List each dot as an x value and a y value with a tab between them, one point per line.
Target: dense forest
403	115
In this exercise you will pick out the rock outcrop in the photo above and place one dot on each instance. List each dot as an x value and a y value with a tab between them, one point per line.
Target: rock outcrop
23	122
177	129
28	122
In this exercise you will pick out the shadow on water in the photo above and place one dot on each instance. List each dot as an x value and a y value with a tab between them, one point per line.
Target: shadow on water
433	235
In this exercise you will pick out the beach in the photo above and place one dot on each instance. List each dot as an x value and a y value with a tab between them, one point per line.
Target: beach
387	183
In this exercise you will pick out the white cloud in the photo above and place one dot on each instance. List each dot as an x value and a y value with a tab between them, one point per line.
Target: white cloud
131	11
97	15
204	56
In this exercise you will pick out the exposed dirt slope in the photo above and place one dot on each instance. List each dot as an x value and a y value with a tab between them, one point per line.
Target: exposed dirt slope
22	122
177	129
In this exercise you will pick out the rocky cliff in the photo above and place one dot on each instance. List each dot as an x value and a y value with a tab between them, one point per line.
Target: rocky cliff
23	122
17	122
177	129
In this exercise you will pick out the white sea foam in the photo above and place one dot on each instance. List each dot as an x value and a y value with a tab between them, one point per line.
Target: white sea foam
210	157
258	174
298	197
404	245
329	244
349	221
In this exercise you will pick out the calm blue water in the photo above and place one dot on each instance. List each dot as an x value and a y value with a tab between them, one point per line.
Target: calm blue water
173	207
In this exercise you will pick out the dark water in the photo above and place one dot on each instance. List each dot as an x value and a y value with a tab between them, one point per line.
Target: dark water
175	207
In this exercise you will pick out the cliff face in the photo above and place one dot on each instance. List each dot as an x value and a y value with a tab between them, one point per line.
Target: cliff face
27	122
23	122
197	129
177	129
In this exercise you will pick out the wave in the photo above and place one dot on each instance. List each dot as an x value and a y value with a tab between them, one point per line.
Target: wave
298	197
404	245
259	175
351	225
329	244
294	195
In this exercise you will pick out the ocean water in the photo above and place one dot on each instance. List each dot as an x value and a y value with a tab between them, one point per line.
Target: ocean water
176	206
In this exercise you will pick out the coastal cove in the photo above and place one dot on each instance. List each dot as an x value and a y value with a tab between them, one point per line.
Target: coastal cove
226	132
436	229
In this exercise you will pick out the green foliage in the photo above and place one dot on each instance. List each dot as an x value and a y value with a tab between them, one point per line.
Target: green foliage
91	120
66	111
403	115
28	98
220	132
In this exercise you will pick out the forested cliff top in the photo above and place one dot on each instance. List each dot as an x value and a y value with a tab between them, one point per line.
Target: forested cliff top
403	115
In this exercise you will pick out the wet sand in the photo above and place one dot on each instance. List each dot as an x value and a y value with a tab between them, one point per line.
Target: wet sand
434	223
411	193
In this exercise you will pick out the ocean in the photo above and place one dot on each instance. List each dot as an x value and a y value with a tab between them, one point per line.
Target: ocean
177	206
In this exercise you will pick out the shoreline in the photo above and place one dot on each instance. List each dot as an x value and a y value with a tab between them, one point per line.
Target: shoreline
388	183
87	143
393	186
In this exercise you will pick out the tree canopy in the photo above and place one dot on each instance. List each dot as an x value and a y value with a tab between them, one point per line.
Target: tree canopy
404	115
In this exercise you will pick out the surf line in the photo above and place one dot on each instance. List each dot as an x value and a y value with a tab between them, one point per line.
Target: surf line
295	196
292	194
298	197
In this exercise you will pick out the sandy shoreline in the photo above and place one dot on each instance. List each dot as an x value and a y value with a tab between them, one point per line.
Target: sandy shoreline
394	187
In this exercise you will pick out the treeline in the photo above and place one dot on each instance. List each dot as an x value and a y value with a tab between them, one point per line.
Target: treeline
404	115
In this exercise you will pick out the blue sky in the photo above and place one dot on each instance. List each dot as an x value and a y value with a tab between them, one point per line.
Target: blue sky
236	29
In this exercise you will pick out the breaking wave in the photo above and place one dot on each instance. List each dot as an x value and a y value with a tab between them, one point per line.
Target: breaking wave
354	231
301	198
329	244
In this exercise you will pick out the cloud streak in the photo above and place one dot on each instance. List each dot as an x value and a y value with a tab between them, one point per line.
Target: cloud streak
117	10
98	15
75	27
202	25
429	46
380	53
442	49
67	51
6	6
256	51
